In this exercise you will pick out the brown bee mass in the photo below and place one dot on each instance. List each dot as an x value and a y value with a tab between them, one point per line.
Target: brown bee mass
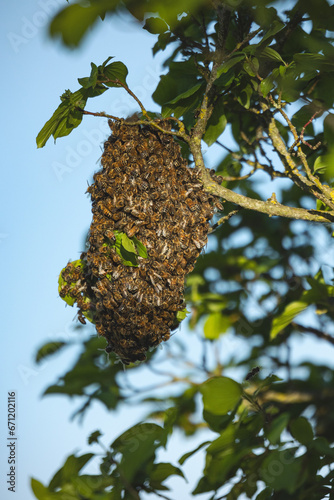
145	189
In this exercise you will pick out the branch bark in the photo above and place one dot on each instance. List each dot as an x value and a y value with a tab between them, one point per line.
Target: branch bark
270	207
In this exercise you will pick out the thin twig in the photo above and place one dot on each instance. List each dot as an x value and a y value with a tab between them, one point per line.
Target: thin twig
149	489
223	220
315	331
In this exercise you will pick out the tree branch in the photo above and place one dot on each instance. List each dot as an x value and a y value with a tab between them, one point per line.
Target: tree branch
271	208
315	331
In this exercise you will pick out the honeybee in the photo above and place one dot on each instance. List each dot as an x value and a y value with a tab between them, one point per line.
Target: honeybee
109	302
132	286
199	243
117	216
117	167
115	257
139	296
109	349
219	206
116	295
132	230
118	202
137	213
81	318
153	218
143	185
96	239
104	210
252	373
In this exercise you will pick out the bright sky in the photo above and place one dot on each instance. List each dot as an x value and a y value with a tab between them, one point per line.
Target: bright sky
45	217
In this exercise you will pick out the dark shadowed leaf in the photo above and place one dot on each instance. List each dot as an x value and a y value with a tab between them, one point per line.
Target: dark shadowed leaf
155	25
73	21
137	446
216	124
191	453
283	472
71	467
49	349
277	426
162	471
94	437
301	430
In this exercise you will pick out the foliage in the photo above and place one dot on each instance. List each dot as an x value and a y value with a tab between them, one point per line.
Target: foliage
262	71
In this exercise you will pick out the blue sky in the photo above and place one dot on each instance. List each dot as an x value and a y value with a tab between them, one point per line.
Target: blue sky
45	215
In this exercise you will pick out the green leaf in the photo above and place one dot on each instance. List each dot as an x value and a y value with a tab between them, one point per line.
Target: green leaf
322	446
186	94
184	106
220	395
127	252
181	315
40	491
128	244
138	445
115	71
266	85
190	453
48	349
321	164
51	126
94	437
181	77
329	130
162	471
155	25
310	61
73	21
244	97
90	316
275	27
216	124
71	467
270	53
61	282
264	494
126	249
141	249
251	66
277	426
301	430
225	440
230	63
283	320
91	80
67	116
163	40
215	325
287	472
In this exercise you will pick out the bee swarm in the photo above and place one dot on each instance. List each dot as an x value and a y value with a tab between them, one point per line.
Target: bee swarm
145	189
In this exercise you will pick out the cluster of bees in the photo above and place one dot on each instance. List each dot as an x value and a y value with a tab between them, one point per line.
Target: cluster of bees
146	190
